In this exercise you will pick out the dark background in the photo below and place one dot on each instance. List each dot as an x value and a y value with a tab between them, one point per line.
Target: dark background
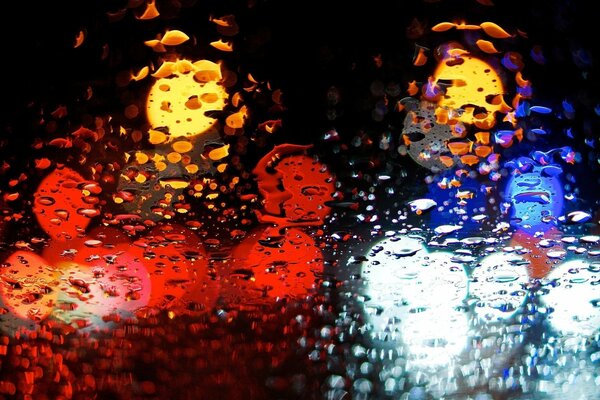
302	47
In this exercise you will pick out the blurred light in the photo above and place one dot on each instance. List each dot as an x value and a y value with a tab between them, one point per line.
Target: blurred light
415	301
573	298
498	285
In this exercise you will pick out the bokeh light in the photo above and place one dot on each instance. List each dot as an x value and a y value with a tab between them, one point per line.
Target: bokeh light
264	200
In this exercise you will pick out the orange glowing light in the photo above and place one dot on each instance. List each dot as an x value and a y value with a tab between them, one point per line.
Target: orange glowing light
466	27
443	26
522	83
141	74
150	12
447	161
483	151
174	38
236	120
219	153
42	163
79	39
494	30
486	46
519	134
412	88
156	137
226	21
420	57
456	52
469	159
441	115
101	273
460	148
538	263
182	146
222	45
482	137
155	45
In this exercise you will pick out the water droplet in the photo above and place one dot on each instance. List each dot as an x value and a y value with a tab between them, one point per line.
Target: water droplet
556	254
445	229
472	240
576	217
88	212
422	205
504	276
590	239
93	243
46	200
62	214
545	243
579	279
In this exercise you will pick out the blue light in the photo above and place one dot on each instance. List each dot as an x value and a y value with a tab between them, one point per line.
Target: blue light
536	198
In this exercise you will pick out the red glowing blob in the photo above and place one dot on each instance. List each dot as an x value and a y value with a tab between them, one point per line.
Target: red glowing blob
62	204
279	264
178	268
295	187
58	251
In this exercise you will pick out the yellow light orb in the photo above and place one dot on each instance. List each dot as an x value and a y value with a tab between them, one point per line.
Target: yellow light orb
182	96
473	87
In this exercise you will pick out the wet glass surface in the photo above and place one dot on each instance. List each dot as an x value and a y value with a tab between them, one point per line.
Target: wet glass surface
273	200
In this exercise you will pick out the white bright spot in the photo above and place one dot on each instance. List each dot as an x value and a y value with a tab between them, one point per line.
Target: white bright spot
574	298
414	298
497	284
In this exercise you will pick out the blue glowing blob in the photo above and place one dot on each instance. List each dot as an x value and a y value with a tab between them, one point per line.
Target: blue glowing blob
504	137
537	55
536	198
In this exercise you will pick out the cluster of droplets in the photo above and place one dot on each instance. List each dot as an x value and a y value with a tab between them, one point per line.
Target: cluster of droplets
448	316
